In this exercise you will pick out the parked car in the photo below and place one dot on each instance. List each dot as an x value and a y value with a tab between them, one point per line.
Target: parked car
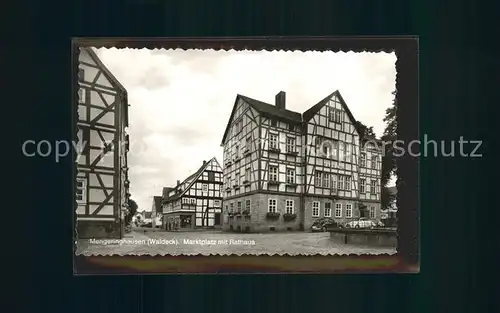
322	224
361	223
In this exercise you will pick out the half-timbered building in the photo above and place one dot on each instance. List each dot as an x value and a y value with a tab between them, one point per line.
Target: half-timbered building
102	185
283	170
195	202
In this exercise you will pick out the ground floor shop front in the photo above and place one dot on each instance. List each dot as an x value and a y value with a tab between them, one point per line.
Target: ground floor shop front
184	221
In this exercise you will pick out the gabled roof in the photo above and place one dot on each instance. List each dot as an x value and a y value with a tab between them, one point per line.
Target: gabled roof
270	110
157	201
309	114
191	179
110	77
265	109
165	191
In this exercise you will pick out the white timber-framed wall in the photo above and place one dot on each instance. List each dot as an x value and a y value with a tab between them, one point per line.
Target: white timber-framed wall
102	186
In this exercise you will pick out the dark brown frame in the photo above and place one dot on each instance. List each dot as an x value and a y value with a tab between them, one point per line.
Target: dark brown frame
407	258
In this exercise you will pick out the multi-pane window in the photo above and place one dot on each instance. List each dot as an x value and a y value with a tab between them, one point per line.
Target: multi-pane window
374	161
335	150
272	206
362	159
211	176
216	203
328	209
248	143
335	115
231	209
334	181
326	180
237	150
372	212
204	187
290	144
247	205
327	150
238	207
273	141
341	151
80	190
289	207
362	183
348	155
331	114
315	209
238	126
318	179
290	176
340	182
192	201
348	210
338	116
338	210
373	186
347	183
273	173
247	174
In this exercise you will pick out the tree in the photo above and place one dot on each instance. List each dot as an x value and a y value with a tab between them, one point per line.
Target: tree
390	135
389	167
386	198
365	131
132	210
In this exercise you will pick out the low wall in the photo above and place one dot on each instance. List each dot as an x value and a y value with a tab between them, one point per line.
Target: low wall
370	237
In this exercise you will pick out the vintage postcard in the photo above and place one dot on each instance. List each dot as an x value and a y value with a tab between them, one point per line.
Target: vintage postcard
235	152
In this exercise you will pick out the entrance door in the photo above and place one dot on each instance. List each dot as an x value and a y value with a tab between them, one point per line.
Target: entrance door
186	221
217	219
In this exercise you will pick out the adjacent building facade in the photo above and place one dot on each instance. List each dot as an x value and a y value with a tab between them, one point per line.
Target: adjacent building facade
102	185
195	202
283	170
157	211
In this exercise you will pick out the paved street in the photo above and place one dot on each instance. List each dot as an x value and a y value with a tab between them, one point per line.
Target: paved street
192	243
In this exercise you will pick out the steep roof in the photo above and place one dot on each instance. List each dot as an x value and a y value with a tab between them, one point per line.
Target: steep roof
110	77
265	109
270	110
309	114
191	178
157	201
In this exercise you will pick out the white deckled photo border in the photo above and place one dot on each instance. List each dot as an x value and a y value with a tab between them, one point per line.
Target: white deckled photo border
233	152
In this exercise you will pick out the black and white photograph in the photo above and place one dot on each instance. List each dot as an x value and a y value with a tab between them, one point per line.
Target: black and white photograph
188	152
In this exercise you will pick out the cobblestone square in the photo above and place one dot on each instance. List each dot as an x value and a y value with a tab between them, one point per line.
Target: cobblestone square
216	242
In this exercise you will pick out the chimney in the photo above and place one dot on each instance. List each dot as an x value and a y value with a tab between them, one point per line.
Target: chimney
178	182
280	100
204	162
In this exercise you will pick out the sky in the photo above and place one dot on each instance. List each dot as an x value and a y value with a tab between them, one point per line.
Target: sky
180	101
